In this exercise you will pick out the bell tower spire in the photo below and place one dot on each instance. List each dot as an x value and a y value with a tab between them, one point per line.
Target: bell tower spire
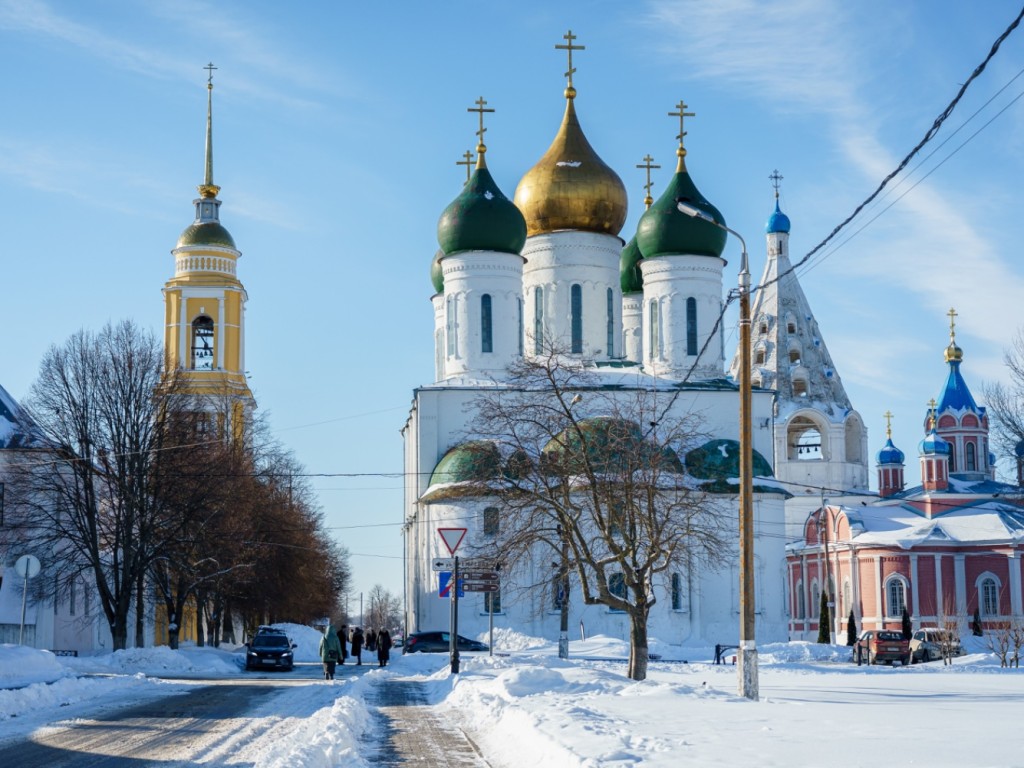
204	328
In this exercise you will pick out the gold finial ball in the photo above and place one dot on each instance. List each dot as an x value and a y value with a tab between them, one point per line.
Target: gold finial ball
954	353
681	152
570	92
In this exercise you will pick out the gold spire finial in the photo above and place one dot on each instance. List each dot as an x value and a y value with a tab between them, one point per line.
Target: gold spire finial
208	188
776	179
481	148
648	165
953	352
682	114
570	91
468	162
931	414
888	424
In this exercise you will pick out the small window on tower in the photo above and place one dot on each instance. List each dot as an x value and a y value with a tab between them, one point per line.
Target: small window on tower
759	357
799	388
202	344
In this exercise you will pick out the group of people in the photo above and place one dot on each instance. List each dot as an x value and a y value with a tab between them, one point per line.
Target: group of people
335	644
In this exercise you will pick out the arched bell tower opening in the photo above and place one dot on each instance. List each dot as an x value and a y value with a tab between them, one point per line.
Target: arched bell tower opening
203	339
806	440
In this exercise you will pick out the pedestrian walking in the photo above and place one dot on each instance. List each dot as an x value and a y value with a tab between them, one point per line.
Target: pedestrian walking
330	652
383	647
357	646
343	639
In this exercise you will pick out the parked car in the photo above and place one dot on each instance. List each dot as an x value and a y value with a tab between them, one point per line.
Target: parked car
269	650
439	642
875	645
927	644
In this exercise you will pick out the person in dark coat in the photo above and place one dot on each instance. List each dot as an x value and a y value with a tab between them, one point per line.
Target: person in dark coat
342	635
357	646
330	652
371	641
383	647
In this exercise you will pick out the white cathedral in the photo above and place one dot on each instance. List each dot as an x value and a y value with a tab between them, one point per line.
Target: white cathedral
550	266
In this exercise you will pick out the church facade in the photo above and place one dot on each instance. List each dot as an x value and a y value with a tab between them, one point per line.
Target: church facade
948	549
514	280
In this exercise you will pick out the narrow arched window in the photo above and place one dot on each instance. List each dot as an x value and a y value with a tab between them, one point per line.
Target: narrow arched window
538	321
519	303
610	341
801	601
202	344
677	592
653	331
691	326
989	597
486	344
576	310
896	594
449	325
491	521
617	586
970	457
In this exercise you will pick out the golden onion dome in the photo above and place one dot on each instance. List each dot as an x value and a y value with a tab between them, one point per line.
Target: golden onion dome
571	187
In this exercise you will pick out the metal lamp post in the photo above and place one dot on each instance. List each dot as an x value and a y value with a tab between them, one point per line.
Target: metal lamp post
747	660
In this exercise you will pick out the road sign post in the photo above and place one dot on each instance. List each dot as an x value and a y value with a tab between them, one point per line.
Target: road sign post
452	538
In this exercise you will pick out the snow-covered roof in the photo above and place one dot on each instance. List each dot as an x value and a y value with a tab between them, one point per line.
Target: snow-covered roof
904	527
16	430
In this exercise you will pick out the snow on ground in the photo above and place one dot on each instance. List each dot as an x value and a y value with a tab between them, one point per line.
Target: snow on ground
525	706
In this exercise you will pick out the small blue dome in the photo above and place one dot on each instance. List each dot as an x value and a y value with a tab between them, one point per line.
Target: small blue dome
890	454
778	221
933	445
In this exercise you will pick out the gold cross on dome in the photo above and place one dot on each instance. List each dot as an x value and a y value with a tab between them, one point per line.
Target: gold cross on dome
569	37
888	424
480	108
682	114
776	178
931	414
466	161
648	165
952	323
209	80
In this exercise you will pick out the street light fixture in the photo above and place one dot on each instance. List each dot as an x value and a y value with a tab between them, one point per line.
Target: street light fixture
748	677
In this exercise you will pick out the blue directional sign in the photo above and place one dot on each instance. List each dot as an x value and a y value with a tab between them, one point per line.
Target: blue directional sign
445	585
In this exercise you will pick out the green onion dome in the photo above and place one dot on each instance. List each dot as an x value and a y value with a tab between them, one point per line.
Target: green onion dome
609	446
664	230
436	275
206	233
630	277
475	461
481	218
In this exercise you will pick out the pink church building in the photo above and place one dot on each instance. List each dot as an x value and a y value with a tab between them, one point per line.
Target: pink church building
950	546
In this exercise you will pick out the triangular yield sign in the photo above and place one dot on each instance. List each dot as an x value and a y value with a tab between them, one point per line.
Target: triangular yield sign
452	537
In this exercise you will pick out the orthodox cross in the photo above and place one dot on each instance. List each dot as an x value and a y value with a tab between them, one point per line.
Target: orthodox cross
888	424
682	114
569	37
209	80
648	165
776	178
467	161
952	323
480	108
931	414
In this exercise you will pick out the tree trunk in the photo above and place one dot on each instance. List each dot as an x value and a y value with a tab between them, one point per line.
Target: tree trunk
638	650
118	635
140	612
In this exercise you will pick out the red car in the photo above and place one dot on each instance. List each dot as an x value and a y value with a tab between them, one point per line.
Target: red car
886	645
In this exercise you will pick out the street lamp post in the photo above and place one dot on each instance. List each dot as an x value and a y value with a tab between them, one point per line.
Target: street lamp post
748	677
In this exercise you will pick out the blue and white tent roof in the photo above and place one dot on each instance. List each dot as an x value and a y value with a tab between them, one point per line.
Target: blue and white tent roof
956	396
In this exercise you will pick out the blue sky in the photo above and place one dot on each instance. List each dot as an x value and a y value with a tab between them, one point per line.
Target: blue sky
336	131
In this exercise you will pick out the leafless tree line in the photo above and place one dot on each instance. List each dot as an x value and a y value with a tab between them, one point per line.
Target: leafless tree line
124	489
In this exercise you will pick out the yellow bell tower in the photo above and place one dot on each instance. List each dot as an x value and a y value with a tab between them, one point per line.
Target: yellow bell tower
204	308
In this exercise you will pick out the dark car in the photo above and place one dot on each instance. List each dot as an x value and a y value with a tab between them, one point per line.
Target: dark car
269	650
875	645
439	642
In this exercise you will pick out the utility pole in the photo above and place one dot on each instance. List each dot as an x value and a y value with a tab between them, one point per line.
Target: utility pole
830	599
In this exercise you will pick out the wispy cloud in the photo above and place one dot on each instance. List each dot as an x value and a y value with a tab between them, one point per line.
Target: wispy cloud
808	57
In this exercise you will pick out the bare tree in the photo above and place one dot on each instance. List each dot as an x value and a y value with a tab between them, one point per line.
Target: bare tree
89	509
384	609
594	479
1006	401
